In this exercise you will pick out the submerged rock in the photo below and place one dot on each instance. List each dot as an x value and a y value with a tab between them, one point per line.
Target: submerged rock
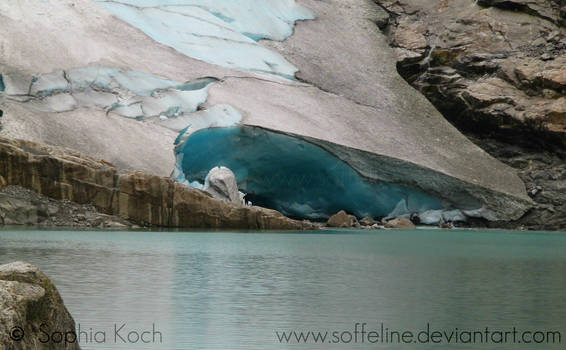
221	184
30	309
342	220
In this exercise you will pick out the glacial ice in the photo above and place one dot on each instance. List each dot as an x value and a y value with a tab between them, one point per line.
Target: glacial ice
222	32
46	84
54	104
127	93
141	84
293	176
217	116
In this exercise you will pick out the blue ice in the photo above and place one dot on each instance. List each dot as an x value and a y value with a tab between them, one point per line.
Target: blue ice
222	32
293	176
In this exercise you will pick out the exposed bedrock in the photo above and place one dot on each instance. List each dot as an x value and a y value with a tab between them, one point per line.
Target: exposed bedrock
138	197
496	70
359	110
492	67
32	311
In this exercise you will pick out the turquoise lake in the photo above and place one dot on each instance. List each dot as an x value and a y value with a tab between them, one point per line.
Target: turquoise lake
241	290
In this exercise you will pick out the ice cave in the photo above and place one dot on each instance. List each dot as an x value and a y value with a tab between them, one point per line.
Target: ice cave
294	176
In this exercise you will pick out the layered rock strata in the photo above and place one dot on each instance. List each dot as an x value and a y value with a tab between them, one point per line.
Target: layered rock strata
141	198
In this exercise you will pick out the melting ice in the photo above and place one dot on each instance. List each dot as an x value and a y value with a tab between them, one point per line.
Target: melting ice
293	176
126	93
222	32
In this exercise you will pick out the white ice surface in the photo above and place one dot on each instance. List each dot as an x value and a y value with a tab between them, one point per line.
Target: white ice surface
222	32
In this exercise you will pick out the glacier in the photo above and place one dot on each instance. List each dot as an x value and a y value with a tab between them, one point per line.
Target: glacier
292	175
221	32
126	93
154	88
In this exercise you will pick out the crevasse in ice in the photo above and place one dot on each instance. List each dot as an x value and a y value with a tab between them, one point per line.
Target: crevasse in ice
222	32
292	175
126	93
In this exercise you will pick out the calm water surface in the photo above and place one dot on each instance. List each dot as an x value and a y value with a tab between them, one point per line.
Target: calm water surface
235	290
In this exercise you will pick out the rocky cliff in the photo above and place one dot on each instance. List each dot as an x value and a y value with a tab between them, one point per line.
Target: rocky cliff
497	71
32	313
144	199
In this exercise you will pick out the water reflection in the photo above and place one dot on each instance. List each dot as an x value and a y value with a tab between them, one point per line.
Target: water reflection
233	290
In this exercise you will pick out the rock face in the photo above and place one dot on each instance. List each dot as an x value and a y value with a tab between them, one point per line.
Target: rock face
31	309
22	206
343	220
221	184
492	66
135	196
360	111
544	173
496	70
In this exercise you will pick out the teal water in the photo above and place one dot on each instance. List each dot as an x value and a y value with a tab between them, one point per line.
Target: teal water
235	290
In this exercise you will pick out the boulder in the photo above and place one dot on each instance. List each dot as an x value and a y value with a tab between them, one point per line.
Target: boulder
30	308
400	223
221	184
367	221
16	211
342	220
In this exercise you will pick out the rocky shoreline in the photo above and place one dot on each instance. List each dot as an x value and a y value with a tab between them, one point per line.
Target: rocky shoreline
51	186
22	206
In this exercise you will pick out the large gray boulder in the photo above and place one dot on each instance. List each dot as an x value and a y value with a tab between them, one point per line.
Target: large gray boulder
221	184
342	220
32	313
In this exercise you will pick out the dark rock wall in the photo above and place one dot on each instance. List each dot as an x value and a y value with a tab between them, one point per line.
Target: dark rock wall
496	69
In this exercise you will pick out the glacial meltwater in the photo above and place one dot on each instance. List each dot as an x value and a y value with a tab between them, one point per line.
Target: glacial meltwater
242	290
